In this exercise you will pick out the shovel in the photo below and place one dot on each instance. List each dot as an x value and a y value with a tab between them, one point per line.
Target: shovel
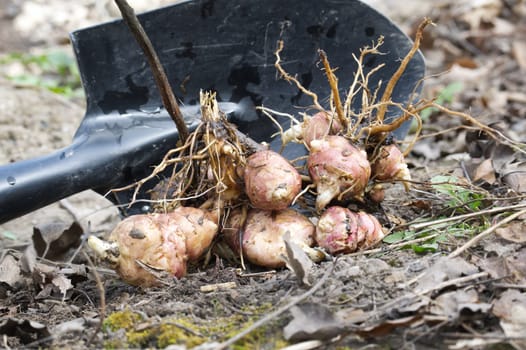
222	45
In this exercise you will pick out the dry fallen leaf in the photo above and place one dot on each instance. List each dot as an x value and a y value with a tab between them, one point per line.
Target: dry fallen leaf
518	48
25	330
10	272
29	259
68	327
494	265
514	175
516	264
451	304
54	239
510	267
427	149
443	270
479	13
514	232
297	260
312	322
510	308
63	283
485	171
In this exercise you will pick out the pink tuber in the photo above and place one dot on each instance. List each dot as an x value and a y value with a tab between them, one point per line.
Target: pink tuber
390	165
199	227
271	182
337	169
262	234
319	126
163	242
312	128
341	230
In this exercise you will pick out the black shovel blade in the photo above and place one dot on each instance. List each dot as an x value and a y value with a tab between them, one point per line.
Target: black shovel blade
226	46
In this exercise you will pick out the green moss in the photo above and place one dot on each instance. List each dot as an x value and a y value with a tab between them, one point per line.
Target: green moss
179	331
125	319
265	337
140	338
114	344
187	331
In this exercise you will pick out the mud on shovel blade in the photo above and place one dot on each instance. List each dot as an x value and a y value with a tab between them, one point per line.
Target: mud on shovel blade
223	45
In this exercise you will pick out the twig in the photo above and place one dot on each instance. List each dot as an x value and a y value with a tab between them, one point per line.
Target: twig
217	286
272	315
4	337
386	97
465	216
453	282
485	233
102	296
509	286
305	345
395	245
184	328
493	133
165	90
414	295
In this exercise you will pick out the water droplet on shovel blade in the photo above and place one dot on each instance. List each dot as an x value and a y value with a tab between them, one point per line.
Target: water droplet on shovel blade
11	180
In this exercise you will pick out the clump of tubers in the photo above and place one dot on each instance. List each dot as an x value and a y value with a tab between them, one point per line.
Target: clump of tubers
217	164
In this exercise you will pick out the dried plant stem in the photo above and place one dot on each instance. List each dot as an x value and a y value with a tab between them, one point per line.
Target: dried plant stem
165	90
456	281
416	117
102	296
485	233
421	225
494	134
333	83
386	97
395	245
305	345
